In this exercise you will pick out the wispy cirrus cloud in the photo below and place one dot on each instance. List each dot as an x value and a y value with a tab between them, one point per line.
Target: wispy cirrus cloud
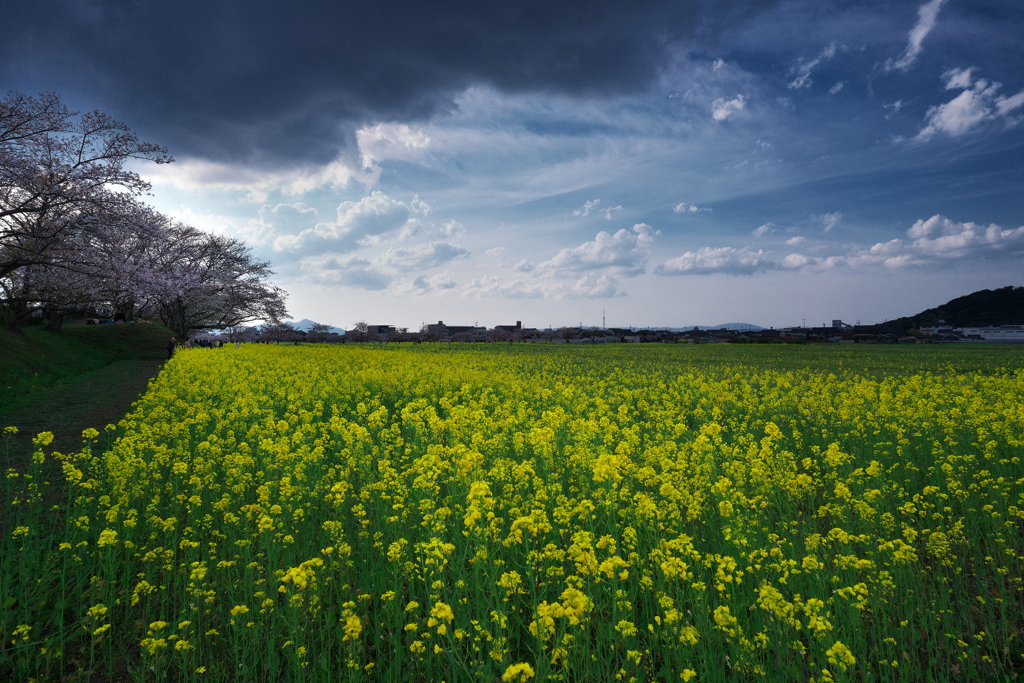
803	69
927	17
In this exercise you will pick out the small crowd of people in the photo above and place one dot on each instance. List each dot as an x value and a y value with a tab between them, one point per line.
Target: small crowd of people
172	344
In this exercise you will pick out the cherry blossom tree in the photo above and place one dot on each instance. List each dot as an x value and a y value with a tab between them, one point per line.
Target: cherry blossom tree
61	175
201	281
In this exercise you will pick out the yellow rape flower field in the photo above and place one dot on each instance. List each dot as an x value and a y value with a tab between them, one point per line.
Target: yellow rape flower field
531	513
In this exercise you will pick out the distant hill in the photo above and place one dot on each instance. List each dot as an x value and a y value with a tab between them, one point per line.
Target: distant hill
987	307
305	324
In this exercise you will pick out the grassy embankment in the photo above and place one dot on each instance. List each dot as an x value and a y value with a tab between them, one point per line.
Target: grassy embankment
87	376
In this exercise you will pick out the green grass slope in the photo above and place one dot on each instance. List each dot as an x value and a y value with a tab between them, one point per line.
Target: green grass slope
37	358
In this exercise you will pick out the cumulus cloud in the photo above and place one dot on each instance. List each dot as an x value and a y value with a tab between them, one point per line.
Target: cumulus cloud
927	16
722	108
941	238
805	67
793	241
426	285
625	253
453	229
935	241
421	256
763	229
595	286
979	102
524	266
349	272
359	224
390	141
711	260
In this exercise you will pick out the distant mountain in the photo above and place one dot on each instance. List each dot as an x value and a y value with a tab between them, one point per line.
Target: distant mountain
987	307
305	324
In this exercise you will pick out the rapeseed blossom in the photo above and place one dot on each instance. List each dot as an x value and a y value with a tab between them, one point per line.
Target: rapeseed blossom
548	513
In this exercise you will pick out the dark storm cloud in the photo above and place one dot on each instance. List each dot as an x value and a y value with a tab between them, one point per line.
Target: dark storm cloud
275	81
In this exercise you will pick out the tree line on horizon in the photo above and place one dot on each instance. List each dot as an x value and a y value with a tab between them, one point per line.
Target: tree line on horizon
75	237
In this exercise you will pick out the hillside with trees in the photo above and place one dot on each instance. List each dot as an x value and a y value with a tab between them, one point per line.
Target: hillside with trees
987	307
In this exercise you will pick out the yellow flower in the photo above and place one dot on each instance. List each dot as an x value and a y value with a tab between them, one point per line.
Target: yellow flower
43	439
518	672
840	656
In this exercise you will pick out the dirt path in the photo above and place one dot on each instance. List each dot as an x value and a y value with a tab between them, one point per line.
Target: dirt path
93	400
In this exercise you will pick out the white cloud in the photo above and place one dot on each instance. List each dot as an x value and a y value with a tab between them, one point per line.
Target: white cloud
390	141
275	219
489	287
587	207
979	102
711	260
763	230
934	242
683	207
453	229
927	16
940	238
958	79
893	107
830	220
524	266
349	272
625	252
359	224
592	207
836	88
595	286
421	256
254	184
804	68
722	109
590	286
426	285
793	241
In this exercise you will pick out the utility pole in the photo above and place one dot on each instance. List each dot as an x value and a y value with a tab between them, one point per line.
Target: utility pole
604	325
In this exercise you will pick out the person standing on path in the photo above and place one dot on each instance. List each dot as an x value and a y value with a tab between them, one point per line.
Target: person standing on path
171	345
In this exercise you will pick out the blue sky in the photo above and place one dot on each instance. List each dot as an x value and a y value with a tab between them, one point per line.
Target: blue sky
666	163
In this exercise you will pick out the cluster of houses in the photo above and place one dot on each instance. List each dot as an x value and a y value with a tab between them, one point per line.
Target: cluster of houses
837	332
